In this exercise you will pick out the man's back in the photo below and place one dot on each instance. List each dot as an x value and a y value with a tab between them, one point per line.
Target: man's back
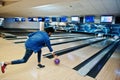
36	40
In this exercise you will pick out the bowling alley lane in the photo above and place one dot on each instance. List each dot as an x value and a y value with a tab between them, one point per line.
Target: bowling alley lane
54	36
24	38
111	69
53	39
68	45
61	37
74	58
29	70
69	35
69	39
68	61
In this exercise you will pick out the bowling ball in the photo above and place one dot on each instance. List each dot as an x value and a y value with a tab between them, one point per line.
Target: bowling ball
57	61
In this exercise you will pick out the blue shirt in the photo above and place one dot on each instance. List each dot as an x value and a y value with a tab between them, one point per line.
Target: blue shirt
37	40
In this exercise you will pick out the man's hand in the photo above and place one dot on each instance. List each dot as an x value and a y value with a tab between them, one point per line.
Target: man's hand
55	56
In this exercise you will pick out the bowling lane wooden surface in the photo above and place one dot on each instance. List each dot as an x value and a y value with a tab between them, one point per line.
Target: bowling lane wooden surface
62	40
53	41
55	36
68	39
111	70
74	58
29	70
68	34
59	40
19	40
67	45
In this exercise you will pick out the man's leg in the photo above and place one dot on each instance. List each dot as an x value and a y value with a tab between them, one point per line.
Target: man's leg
27	55
39	59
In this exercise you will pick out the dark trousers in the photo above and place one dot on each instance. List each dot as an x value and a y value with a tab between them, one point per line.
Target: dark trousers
27	55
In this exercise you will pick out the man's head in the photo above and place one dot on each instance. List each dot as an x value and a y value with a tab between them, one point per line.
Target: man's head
49	30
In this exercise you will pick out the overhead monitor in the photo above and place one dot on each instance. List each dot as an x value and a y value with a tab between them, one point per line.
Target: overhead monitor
19	19
35	19
32	19
75	19
40	19
47	19
23	19
54	19
63	19
106	19
89	19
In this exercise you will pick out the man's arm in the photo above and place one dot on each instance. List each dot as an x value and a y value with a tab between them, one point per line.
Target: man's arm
50	48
